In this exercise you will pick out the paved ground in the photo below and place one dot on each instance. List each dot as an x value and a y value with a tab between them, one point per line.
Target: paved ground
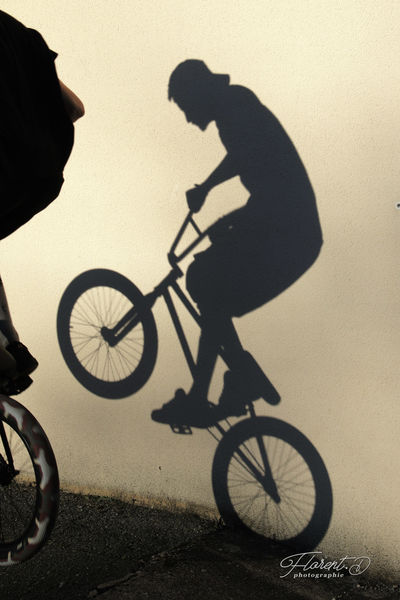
108	549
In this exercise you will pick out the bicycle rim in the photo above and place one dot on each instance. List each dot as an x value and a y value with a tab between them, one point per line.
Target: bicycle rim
28	484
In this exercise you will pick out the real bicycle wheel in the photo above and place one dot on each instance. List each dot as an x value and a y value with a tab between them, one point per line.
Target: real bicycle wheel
96	300
295	508
29	486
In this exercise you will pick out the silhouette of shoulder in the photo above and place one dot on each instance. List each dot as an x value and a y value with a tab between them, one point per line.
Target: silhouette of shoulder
37	135
254	137
36	132
240	106
247	125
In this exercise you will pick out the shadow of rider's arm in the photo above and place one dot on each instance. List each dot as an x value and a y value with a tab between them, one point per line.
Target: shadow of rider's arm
224	171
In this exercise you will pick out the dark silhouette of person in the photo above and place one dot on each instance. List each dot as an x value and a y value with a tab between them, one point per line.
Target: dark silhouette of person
257	251
36	138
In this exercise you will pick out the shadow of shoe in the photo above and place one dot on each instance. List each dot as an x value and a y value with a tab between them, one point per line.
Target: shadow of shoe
183	411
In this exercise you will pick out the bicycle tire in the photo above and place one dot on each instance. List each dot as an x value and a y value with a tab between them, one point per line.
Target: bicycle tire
29	484
98	298
301	516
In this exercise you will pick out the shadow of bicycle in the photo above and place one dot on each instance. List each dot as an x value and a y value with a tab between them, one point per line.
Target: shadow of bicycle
267	477
269	480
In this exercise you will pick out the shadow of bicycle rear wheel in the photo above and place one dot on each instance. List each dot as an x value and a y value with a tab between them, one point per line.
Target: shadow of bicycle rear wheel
299	517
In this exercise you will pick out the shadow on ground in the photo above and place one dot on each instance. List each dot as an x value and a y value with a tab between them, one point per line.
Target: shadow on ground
95	539
108	549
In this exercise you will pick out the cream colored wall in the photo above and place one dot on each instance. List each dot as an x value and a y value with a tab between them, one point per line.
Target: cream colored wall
328	70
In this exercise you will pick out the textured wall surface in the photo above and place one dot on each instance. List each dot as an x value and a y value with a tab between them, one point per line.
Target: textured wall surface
329	343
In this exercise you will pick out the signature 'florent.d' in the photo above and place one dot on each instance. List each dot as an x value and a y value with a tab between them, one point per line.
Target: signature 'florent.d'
313	564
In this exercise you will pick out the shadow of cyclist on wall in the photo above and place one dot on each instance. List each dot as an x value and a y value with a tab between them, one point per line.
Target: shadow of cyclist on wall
256	252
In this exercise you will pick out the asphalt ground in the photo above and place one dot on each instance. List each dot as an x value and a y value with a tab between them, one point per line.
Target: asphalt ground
113	550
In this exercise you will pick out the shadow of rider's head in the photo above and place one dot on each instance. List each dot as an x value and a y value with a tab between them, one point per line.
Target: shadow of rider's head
197	91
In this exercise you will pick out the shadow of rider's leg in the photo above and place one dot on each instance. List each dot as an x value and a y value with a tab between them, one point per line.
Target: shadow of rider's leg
217	332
